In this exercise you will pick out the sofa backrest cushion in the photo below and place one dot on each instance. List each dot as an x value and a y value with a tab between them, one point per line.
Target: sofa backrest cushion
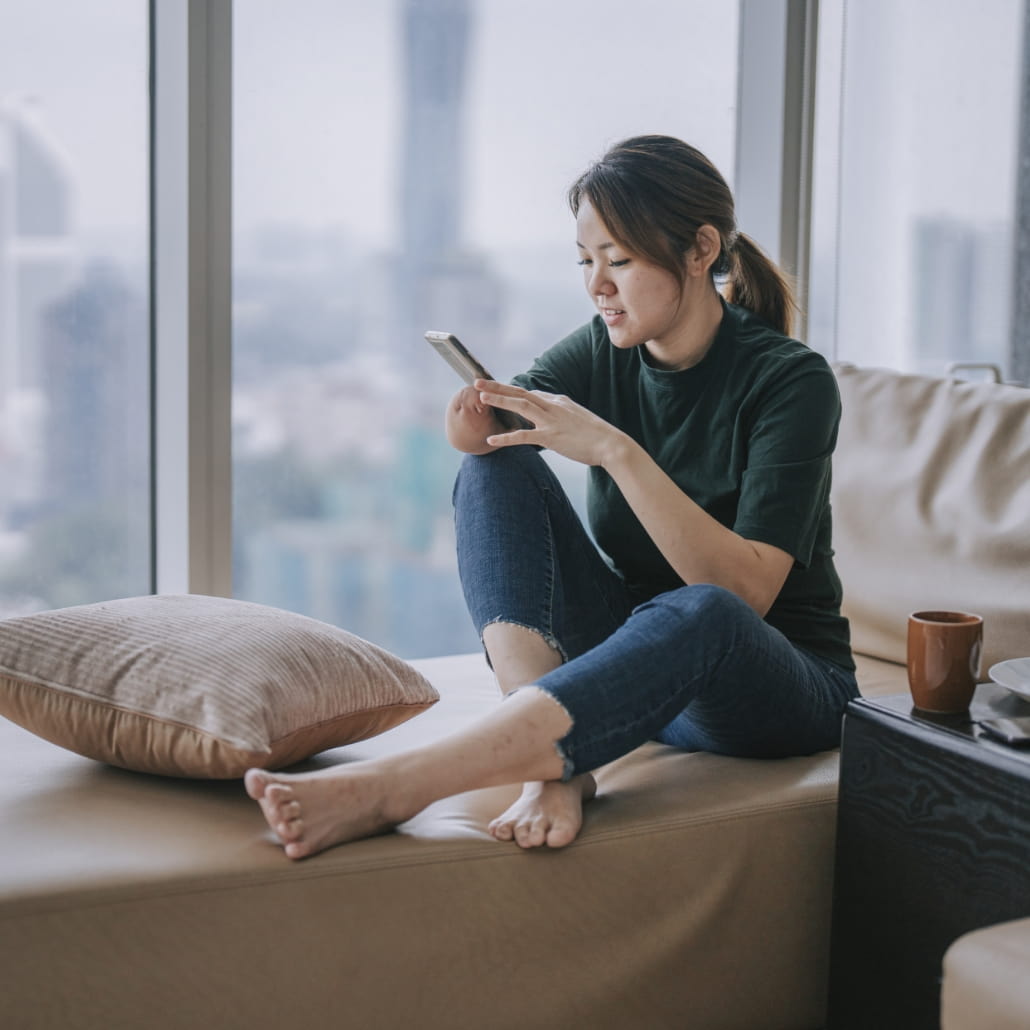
931	507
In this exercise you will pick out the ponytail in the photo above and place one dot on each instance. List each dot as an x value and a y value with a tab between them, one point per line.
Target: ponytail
754	282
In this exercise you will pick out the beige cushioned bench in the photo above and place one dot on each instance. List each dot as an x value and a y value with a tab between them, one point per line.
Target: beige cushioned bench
131	901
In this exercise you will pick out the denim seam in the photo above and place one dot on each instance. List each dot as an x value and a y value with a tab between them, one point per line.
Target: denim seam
545	496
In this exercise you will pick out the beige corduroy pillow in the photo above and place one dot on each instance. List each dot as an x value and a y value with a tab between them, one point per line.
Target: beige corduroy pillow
189	685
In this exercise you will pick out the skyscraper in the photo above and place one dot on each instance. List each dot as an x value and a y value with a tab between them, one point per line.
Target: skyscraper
37	262
962	291
439	282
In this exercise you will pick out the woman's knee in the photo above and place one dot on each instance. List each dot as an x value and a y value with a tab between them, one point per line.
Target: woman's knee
701	602
507	468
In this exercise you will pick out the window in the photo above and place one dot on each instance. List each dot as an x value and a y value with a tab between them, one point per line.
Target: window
74	380
401	167
917	118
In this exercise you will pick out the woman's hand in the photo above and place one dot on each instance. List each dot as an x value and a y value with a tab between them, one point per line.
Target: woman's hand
469	422
559	424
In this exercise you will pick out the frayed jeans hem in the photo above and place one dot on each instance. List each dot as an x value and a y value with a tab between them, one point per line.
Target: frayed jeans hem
568	766
548	638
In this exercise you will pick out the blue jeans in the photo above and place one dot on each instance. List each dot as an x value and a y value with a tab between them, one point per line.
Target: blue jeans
693	667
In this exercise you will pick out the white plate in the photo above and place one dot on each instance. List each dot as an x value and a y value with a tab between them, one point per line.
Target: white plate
1014	675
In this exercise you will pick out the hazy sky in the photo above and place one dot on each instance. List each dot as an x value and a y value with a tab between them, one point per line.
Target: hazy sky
550	83
929	109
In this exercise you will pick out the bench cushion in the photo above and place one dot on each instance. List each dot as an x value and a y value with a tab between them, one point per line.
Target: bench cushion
700	885
985	982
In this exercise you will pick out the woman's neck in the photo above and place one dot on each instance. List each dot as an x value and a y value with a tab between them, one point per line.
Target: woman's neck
695	336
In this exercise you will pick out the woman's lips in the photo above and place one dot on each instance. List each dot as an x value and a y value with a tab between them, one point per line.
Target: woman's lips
612	316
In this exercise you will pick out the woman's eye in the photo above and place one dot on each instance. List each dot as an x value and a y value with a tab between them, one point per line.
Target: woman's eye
618	264
584	261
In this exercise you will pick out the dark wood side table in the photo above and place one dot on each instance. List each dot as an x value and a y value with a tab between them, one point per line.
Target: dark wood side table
933	840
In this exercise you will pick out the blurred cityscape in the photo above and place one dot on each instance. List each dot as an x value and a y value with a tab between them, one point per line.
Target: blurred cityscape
341	473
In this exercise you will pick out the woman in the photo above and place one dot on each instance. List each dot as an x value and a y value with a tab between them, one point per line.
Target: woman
714	623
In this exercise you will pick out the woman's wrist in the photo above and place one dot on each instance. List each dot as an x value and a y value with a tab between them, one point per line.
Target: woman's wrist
618	452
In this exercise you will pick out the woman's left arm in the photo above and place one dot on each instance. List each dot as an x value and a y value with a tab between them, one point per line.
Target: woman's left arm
697	546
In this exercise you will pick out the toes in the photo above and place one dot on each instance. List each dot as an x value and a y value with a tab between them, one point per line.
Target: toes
560	834
530	834
502	829
298	849
255	781
278	793
290	830
282	811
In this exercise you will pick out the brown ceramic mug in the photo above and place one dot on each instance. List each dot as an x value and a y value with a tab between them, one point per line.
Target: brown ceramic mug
944	659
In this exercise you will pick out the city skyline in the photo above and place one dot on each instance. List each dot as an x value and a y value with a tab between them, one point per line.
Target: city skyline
337	467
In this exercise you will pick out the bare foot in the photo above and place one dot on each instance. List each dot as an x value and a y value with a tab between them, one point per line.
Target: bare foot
310	812
548	813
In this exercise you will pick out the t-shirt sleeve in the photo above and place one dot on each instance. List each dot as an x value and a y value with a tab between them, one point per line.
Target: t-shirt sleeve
564	369
785	486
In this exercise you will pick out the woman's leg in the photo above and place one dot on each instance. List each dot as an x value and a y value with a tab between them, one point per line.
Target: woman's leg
538	592
694	650
313	811
547	811
525	559
698	668
529	570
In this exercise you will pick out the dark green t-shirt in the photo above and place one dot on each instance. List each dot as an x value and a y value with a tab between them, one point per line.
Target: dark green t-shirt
747	434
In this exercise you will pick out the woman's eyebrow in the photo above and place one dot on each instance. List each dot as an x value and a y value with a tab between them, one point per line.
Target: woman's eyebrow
600	246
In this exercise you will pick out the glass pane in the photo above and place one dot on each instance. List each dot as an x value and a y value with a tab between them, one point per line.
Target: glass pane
402	167
74	380
917	133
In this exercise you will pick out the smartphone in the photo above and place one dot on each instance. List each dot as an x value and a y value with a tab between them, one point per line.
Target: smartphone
457	355
1015	731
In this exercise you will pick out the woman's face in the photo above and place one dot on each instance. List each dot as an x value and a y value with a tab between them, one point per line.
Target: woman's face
639	302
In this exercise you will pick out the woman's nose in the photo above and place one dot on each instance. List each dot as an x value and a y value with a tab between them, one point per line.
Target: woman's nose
599	285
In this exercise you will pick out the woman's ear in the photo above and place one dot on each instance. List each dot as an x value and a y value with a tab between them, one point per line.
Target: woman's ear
705	251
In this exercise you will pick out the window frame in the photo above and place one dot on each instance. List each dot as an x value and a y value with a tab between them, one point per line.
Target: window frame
191	240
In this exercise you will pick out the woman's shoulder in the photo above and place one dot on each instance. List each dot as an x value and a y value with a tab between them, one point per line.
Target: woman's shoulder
769	351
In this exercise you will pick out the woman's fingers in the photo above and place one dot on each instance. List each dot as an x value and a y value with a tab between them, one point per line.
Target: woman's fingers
512	398
510	438
490	391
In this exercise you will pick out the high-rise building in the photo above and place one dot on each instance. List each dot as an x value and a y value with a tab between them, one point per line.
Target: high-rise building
439	282
93	351
37	263
962	291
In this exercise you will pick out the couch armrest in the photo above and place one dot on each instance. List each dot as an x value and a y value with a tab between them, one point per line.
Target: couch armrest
985	982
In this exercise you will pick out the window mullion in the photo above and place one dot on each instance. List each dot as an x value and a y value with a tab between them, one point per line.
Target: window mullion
191	248
773	180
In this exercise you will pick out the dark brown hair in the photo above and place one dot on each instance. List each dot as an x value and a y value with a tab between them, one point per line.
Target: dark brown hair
654	192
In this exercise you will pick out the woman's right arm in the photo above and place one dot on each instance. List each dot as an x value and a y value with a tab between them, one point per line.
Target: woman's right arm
469	422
